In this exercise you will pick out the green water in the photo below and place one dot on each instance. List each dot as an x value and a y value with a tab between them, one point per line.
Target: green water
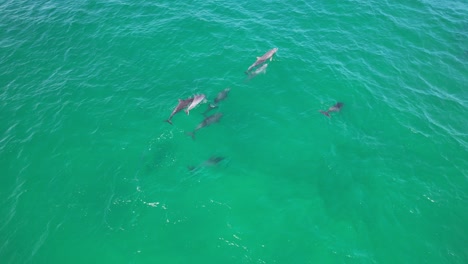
90	173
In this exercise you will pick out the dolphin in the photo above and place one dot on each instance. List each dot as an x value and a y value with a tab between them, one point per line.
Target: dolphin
212	161
334	108
196	100
261	69
181	105
221	96
206	122
262	59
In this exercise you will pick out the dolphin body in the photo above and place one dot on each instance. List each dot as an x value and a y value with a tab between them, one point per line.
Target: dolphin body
335	108
181	105
206	122
196	100
262	59
259	70
221	96
212	161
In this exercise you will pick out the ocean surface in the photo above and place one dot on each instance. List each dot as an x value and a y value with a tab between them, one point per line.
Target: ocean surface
91	173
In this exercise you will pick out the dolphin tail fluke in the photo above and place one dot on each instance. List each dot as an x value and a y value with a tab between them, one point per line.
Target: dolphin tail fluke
325	113
169	121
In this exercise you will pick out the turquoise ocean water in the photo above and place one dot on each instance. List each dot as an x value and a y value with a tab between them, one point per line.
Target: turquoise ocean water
90	173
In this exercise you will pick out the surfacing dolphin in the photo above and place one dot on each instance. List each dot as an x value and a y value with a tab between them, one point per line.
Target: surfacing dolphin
335	108
196	100
206	122
181	105
262	59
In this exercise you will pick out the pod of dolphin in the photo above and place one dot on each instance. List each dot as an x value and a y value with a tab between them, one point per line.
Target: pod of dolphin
259	66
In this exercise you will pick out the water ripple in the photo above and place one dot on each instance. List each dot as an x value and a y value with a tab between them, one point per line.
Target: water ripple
86	86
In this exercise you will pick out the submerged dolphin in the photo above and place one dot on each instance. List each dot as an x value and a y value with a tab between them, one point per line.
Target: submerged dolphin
221	96
262	59
196	100
334	108
261	69
206	122
212	161
181	105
